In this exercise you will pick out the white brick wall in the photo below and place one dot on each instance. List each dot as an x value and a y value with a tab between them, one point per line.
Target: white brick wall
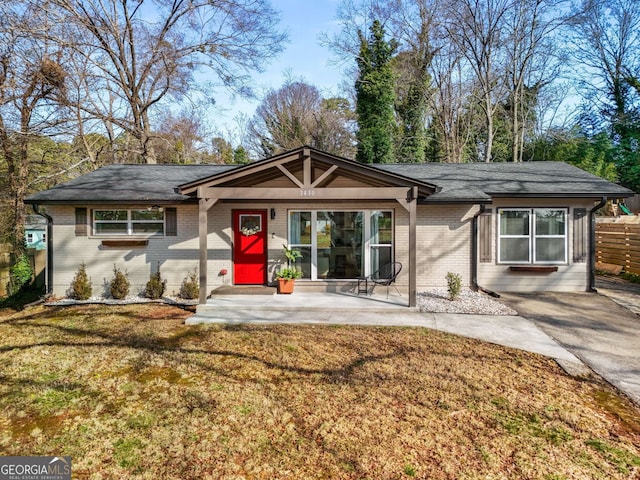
175	256
443	245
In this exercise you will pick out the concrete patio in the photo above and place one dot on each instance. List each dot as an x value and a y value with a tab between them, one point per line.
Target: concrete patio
377	310
248	305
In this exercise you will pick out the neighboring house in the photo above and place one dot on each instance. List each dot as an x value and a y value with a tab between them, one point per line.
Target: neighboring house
502	226
35	232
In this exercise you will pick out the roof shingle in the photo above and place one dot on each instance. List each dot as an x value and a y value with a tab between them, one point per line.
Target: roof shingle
469	182
128	184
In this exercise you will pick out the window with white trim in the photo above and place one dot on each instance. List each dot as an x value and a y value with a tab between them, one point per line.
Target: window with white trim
532	235
341	244
128	222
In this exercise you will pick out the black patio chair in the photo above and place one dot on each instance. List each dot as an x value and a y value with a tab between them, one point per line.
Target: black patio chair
386	276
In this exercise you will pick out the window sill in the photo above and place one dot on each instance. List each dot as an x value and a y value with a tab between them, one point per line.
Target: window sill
125	243
533	269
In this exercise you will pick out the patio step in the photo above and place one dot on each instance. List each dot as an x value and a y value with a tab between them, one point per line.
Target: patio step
296	308
258	315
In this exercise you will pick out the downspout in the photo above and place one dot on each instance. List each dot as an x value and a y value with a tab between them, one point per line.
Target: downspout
49	265
592	244
474	255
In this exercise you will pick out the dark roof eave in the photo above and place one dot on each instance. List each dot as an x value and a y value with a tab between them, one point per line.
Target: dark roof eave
594	195
97	201
468	201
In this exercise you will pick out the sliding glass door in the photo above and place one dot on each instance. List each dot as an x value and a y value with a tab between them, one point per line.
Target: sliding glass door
341	244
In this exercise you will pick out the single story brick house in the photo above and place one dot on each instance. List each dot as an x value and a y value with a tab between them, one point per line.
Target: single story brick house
501	226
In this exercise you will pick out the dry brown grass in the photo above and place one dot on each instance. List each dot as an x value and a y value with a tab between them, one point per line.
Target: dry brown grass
132	392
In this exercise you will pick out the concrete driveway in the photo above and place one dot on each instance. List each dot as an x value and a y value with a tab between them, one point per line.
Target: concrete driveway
600	332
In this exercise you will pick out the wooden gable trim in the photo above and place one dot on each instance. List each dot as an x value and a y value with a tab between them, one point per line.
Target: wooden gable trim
241	193
306	167
240	172
308	158
290	176
324	176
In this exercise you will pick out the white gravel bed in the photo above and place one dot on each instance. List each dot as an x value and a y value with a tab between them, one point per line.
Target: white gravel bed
436	300
129	300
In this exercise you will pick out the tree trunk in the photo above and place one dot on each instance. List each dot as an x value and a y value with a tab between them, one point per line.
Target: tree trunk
488	151
515	127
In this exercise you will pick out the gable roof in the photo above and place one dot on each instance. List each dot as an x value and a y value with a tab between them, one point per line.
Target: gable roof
293	162
437	182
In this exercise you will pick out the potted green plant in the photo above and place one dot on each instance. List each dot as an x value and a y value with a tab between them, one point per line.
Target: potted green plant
286	276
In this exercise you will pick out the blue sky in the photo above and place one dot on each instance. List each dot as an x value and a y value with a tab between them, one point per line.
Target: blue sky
303	57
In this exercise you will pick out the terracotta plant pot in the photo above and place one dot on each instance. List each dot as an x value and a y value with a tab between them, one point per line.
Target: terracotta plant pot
285	285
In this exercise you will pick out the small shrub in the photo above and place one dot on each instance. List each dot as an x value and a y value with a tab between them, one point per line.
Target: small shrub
454	285
155	286
81	285
190	288
119	285
631	277
20	274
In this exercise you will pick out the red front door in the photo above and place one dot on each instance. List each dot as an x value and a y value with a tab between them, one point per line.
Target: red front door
249	247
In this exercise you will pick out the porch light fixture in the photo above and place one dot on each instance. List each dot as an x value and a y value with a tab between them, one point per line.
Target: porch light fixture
156	208
273	213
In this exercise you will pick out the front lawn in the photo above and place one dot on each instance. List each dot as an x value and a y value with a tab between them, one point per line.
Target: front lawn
131	392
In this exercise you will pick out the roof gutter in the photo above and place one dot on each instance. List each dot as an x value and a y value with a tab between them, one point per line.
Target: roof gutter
592	244
474	254
49	264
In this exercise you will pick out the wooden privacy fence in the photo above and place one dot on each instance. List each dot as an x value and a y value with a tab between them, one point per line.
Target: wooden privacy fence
619	244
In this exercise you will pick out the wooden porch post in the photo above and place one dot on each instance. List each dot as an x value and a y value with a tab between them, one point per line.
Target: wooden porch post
203	229
410	203
413	203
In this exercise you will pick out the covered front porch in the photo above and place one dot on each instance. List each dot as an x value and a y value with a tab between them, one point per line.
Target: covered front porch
314	189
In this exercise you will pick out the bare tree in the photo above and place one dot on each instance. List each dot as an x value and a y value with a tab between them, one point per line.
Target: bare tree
532	61
295	115
32	86
452	119
335	124
134	55
607	52
476	27
180	138
284	120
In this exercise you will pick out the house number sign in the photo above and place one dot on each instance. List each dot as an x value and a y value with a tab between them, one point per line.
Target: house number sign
307	192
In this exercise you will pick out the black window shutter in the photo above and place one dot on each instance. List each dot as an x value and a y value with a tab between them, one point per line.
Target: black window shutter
580	235
81	222
484	237
171	222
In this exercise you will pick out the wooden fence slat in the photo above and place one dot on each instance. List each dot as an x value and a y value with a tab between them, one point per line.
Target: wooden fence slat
619	244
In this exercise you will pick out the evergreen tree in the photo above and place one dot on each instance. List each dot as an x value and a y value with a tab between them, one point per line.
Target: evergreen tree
375	98
412	97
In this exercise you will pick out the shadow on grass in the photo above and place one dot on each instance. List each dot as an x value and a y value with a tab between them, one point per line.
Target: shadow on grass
20	299
90	337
